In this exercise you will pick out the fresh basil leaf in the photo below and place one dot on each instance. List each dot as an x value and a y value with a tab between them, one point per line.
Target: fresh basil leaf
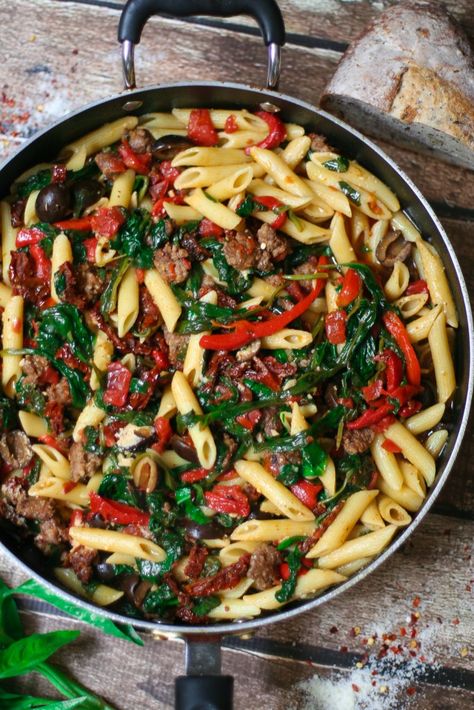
350	192
14	701
339	164
23	655
289	541
33	588
11	627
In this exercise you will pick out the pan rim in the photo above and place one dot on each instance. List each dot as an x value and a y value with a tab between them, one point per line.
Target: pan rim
180	631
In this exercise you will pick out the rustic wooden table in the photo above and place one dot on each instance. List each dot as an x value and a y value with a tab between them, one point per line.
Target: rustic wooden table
402	638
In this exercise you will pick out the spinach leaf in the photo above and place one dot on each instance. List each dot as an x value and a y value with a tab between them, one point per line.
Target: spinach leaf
184	497
339	164
280	444
117	487
8	414
108	300
160	599
246	207
131	239
173	544
123	631
205	605
288	587
158	234
194	280
289	474
199	316
371	284
23	655
34	182
350	192
314	460
64	323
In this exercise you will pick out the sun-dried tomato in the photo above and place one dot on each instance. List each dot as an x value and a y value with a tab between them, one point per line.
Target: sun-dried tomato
226	578
195	563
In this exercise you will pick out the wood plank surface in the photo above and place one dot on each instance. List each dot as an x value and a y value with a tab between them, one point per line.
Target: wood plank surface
337	21
327	642
61	75
48	68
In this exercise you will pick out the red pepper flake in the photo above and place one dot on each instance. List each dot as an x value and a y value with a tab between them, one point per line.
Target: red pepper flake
355	688
455	621
403	631
416	602
333	630
412	654
69	486
374	683
411	690
413	633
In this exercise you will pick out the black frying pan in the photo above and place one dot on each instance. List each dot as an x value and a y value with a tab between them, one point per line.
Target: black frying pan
204	687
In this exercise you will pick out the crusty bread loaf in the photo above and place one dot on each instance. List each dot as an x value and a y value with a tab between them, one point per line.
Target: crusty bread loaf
409	78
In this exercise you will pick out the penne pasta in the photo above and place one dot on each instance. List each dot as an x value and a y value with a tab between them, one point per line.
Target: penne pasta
259	478
114	541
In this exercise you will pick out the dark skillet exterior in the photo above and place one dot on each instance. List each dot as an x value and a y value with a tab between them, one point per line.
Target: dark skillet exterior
47	144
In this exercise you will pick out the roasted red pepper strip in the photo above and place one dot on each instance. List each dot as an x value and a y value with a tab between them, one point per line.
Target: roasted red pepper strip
27	237
419	286
373	391
335	326
50	440
196	474
118	383
370	417
228	499
118	513
307	492
398	331
81	224
140	162
393	368
90	245
273	204
207	228
231	125
351	286
410	408
164	432
42	263
276	132
391	446
107	221
249	419
247	331
200	127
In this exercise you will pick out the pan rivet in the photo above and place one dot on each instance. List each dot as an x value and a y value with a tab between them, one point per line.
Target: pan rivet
132	105
270	108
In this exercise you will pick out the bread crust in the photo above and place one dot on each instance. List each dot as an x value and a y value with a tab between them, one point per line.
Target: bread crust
414	65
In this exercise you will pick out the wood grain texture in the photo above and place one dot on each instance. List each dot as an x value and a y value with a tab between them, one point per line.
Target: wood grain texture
336	20
58	72
50	67
271	664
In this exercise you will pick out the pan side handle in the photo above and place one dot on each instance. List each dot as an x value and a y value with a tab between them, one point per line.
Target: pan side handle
266	12
203	686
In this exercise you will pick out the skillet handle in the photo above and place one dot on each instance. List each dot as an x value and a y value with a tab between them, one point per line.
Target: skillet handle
203	688
204	692
266	12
